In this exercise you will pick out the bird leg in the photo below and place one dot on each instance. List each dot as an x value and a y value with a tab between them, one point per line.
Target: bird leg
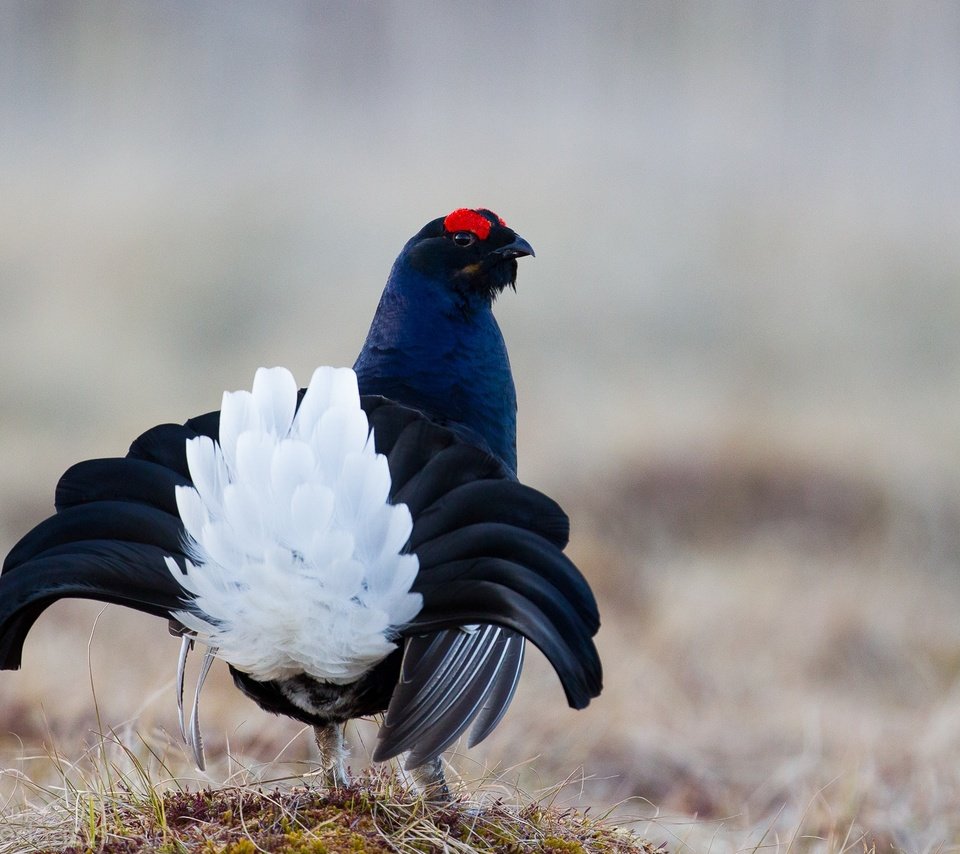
430	778
329	738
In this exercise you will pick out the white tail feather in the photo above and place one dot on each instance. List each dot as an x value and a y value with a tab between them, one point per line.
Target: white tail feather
295	553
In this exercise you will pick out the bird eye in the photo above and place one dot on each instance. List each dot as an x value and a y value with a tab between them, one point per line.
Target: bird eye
464	238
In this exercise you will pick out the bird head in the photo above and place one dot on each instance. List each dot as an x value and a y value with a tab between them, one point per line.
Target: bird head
474	251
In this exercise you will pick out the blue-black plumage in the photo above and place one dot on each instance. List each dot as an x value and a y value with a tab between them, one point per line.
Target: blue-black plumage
434	343
270	531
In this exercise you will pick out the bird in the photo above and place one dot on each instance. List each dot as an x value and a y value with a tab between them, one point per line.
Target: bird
360	546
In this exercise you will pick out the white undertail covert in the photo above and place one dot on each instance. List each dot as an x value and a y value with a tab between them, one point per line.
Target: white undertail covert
295	554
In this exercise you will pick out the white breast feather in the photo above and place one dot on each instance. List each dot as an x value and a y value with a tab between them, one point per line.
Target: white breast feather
295	563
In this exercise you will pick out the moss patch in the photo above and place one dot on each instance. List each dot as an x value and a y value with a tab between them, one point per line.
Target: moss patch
376	814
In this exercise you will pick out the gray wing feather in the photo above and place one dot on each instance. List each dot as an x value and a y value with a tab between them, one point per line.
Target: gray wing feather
502	691
449	678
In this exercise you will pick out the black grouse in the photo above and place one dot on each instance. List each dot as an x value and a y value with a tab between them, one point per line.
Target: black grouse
359	546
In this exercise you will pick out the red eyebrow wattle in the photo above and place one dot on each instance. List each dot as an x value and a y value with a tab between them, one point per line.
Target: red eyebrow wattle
465	219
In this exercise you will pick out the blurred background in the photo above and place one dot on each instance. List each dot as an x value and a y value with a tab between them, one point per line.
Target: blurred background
737	356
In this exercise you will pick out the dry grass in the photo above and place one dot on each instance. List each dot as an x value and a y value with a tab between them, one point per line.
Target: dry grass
120	798
779	677
783	658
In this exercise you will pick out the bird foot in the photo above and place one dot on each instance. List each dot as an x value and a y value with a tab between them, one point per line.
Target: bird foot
431	780
329	740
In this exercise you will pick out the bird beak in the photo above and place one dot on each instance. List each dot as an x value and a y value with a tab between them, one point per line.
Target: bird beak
518	248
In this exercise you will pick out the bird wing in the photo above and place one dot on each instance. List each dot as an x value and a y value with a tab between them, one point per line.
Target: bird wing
492	572
449	680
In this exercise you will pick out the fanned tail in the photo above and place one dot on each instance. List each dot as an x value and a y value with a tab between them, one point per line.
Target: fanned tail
491	571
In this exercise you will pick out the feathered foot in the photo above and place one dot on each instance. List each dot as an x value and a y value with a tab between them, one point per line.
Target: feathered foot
329	739
430	778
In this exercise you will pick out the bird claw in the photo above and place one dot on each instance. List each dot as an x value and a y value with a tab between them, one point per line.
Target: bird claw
192	736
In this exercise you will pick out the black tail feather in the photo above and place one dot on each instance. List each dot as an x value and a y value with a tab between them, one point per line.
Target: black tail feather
492	501
453	466
131	574
532	606
490	552
120	479
520	546
116	522
387	419
466	603
412	448
120	521
166	446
